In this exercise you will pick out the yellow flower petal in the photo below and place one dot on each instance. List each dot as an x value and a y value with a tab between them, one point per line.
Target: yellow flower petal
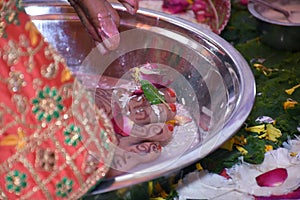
240	140
150	188
242	150
236	140
292	90
268	148
267	131
289	103
199	167
256	129
293	154
157	198
272	133
228	145
264	135
266	71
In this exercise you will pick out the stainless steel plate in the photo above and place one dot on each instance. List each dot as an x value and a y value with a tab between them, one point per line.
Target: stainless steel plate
212	79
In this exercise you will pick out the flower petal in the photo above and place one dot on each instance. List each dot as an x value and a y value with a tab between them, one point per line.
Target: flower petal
292	195
292	90
181	120
272	178
122	125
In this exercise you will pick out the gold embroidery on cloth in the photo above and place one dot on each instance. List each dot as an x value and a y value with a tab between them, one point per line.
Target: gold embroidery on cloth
69	160
47	105
15	81
15	50
24	50
91	163
22	104
2	195
50	71
48	134
89	125
8	14
46	159
35	176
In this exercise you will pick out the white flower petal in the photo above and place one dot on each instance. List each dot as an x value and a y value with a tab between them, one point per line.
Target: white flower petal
244	175
204	185
279	158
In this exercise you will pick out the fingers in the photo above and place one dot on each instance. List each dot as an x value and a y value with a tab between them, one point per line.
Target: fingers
141	111
107	25
159	132
103	101
126	159
100	20
137	108
130	5
152	114
142	128
85	21
156	132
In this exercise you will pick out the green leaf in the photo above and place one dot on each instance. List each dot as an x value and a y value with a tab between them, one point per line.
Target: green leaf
256	150
220	159
151	93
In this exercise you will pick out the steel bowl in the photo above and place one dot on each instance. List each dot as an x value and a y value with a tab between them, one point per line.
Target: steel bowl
212	79
283	35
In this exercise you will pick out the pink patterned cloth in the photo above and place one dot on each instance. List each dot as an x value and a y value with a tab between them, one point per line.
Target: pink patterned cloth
51	146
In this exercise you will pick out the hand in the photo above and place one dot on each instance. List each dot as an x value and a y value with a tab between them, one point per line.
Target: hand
102	20
141	127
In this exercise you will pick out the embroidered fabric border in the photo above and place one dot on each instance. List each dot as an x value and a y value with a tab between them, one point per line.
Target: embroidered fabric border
54	142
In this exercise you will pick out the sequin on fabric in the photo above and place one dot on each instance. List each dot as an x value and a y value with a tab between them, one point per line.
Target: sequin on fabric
51	145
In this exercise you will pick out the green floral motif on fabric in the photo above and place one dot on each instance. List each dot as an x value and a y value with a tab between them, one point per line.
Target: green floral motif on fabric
64	187
9	15
72	135
15	181
47	105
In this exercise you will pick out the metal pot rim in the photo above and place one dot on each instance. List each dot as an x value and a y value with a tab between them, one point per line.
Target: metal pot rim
252	9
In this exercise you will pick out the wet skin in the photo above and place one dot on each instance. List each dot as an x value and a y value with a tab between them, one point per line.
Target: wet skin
148	132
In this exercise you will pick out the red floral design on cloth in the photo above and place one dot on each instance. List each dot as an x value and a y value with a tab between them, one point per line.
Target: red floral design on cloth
46	140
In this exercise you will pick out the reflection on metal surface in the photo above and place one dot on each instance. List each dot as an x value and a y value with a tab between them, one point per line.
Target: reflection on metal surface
223	84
